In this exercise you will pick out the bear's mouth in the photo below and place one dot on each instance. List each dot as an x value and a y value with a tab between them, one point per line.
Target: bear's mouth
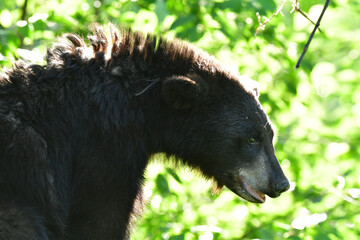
243	189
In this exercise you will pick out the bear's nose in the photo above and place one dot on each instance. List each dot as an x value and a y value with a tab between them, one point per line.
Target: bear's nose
282	186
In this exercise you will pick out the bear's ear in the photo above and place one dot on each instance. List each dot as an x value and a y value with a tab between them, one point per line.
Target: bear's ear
182	92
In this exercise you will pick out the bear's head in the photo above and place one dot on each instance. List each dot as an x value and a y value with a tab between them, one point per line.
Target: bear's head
195	109
219	127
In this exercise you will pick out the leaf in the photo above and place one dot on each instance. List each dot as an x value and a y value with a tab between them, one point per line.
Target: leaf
190	34
234	5
268	5
174	175
183	20
24	31
228	26
162	184
40	25
294	238
160	10
321	236
177	237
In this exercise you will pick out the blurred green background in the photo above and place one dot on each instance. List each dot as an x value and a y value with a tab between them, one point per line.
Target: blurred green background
315	109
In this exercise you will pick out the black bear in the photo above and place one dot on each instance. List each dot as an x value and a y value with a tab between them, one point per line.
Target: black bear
77	133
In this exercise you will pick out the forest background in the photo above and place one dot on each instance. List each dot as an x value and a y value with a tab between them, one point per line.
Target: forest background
316	109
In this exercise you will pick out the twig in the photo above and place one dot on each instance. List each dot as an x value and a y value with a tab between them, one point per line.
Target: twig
23	17
262	24
297	8
312	34
24	10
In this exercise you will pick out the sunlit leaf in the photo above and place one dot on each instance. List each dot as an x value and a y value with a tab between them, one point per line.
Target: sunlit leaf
174	175
162	184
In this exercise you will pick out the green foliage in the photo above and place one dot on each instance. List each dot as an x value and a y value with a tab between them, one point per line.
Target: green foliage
316	109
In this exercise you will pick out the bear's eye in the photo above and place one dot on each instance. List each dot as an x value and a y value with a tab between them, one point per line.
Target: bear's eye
252	140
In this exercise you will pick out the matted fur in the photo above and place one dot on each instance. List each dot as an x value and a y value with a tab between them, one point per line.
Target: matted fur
109	43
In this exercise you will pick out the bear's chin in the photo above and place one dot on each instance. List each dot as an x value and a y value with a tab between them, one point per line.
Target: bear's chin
241	187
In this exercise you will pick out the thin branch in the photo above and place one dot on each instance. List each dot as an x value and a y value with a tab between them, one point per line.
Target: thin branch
24	10
23	17
296	7
263	24
312	34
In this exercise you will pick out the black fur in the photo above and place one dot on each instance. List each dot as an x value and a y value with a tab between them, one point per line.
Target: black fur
77	133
